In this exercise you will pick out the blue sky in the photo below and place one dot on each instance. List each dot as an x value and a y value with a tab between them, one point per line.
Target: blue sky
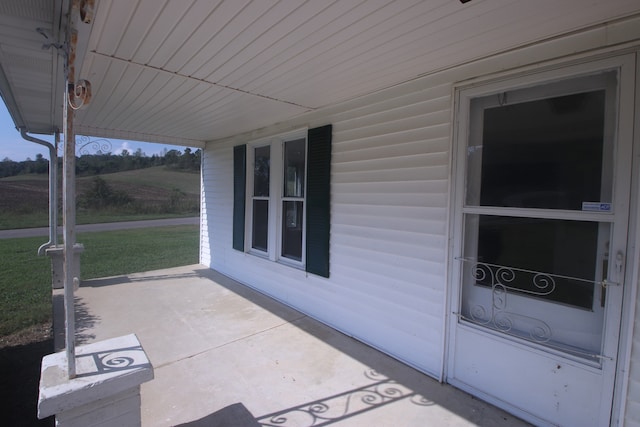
14	147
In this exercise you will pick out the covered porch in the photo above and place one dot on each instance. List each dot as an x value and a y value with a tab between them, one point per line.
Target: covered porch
226	355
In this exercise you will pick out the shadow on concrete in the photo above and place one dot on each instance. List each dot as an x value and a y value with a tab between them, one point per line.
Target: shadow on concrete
399	383
322	412
84	321
125	279
115	360
339	407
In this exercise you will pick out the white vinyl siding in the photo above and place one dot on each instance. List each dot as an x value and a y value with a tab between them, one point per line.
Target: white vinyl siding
389	187
390	184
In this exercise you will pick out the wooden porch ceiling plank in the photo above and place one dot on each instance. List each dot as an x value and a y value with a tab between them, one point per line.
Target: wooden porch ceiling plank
204	38
36	10
406	59
354	45
110	23
240	115
499	39
140	23
161	98
301	38
244	30
164	36
104	78
337	40
420	27
22	32
166	111
254	116
123	97
192	109
202	117
279	25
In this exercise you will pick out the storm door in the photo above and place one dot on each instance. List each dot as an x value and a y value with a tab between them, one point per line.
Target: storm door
540	255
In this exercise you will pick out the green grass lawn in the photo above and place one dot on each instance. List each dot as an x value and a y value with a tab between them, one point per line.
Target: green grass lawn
25	285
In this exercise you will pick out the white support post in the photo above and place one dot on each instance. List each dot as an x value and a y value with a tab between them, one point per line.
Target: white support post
100	385
69	215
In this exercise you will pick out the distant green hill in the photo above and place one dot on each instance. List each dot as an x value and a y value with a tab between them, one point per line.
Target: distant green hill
157	176
155	192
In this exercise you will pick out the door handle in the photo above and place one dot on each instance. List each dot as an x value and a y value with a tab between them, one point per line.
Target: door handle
619	265
605	272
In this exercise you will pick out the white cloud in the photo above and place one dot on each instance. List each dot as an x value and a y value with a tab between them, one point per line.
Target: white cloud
123	146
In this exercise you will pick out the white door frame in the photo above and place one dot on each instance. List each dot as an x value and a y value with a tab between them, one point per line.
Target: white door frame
625	132
629	304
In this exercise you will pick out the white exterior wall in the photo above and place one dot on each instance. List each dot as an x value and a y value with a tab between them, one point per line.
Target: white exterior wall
388	228
389	211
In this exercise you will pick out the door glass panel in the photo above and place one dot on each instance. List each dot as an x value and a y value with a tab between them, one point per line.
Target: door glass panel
554	260
545	153
537	279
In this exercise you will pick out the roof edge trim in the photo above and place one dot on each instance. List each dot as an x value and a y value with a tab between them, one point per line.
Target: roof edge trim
137	136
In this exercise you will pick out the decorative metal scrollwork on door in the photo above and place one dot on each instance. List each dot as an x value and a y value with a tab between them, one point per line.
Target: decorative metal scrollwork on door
502	312
503	281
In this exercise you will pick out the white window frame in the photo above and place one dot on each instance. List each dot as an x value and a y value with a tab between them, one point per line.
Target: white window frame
276	198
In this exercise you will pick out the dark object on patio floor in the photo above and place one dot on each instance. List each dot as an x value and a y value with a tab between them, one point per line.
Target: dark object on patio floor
20	373
236	415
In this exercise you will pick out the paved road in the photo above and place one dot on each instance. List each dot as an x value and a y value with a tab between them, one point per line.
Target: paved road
110	226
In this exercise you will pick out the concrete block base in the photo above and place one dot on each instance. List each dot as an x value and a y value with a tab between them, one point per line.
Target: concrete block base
122	409
106	390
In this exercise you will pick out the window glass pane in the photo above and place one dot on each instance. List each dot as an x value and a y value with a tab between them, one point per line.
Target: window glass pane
294	162
292	230
261	171
545	153
260	224
506	246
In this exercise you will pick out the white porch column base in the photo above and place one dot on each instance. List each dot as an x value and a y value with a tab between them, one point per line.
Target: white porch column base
56	253
106	390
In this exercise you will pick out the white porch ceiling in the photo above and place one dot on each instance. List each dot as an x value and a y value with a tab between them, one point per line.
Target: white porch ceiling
29	73
191	71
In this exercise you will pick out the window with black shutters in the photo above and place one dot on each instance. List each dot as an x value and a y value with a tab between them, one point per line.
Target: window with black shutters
284	182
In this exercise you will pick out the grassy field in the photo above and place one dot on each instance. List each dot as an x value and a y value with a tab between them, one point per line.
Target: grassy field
159	177
156	192
25	285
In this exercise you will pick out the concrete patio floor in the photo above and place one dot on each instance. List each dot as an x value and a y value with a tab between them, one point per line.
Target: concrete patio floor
225	355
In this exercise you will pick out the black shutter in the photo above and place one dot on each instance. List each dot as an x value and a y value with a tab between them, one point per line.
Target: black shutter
239	188
318	198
